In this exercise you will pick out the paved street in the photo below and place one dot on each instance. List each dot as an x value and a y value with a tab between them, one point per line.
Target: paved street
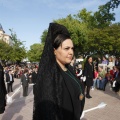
22	107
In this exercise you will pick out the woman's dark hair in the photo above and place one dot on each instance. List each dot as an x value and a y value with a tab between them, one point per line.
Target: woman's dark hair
59	40
88	58
104	57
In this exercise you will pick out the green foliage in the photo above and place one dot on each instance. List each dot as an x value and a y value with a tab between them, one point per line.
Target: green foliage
5	51
112	4
106	41
93	33
18	51
35	52
85	17
103	17
43	37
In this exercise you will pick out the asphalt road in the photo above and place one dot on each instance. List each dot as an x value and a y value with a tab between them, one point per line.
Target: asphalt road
22	107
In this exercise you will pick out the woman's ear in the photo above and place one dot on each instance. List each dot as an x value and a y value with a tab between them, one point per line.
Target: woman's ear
54	51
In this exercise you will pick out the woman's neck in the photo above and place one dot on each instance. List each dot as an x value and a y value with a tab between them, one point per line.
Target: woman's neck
63	67
90	63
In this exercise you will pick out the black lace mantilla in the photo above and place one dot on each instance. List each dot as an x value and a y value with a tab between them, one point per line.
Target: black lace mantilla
48	89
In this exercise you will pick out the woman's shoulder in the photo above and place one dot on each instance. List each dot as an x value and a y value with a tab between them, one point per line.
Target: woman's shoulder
69	67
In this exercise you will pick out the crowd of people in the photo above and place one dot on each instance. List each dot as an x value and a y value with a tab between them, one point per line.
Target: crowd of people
98	73
92	75
8	74
60	84
26	73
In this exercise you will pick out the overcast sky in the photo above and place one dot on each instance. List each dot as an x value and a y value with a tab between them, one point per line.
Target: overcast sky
29	18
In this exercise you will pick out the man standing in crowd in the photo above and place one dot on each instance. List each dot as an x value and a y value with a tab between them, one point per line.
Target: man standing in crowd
34	77
3	91
25	82
9	80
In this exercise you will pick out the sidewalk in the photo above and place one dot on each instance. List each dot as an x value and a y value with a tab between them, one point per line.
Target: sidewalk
110	112
22	107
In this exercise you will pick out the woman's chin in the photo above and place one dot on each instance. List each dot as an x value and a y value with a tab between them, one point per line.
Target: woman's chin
68	62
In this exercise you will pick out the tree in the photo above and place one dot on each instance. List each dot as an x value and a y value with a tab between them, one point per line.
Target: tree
43	37
101	18
18	51
105	41
112	4
35	52
86	17
90	31
104	17
5	51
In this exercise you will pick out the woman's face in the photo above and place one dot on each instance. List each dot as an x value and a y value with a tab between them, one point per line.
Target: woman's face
110	59
104	58
64	53
90	60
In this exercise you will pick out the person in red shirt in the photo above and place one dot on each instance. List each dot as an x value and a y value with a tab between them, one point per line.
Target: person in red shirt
95	79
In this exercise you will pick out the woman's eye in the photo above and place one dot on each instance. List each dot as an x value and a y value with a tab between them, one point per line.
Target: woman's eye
66	48
73	48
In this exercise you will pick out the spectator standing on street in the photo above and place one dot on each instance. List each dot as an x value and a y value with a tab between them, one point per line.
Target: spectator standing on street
98	61
10	81
117	72
88	75
3	91
30	75
25	82
34	77
116	83
117	61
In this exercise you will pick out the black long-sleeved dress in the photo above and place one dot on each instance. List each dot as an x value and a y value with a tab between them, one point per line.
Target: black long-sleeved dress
3	91
72	107
89	73
51	104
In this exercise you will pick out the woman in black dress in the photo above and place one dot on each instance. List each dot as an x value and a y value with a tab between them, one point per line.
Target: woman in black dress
59	95
88	75
3	91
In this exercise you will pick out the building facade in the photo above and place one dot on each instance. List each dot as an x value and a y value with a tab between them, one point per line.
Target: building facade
5	37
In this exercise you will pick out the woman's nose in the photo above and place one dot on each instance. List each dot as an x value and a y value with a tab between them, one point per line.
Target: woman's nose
71	51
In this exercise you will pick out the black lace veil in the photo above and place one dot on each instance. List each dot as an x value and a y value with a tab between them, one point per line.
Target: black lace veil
48	88
3	91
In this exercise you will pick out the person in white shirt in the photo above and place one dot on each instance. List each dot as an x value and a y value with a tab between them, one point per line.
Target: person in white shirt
9	80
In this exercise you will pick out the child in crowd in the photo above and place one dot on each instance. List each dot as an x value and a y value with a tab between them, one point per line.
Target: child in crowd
79	72
95	79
